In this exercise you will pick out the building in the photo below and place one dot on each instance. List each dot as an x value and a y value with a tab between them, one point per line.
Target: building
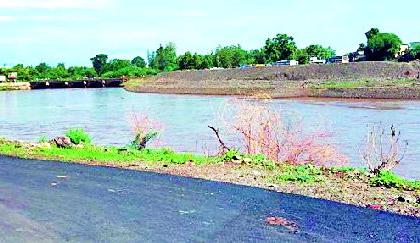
339	59
315	60
357	56
8	76
404	48
286	63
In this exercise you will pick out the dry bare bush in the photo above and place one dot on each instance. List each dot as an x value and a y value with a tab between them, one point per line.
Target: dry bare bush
383	151
263	130
145	130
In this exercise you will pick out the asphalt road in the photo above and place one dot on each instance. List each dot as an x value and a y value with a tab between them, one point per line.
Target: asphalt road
50	201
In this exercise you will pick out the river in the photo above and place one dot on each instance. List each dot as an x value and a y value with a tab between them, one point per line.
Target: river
106	114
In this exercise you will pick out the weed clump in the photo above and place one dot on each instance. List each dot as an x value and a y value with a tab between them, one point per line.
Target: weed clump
78	136
301	173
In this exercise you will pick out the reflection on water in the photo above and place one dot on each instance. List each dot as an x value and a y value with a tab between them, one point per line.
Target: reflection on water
105	113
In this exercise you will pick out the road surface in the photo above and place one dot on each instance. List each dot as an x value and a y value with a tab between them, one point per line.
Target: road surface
55	202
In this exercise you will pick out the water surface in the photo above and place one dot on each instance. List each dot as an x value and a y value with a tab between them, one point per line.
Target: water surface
105	114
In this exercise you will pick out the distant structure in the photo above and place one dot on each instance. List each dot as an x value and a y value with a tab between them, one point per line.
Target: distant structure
339	59
357	56
286	63
315	60
8	76
404	48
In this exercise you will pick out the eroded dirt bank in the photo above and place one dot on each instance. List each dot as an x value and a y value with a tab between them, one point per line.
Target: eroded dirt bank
381	80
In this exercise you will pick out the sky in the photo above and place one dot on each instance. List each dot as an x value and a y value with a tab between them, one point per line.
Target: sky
73	31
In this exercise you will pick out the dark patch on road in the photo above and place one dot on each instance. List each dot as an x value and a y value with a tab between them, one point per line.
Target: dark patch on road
88	204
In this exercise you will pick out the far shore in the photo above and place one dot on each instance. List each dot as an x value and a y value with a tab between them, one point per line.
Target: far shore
367	80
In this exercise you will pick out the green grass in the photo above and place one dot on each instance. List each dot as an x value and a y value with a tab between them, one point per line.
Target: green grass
365	83
391	180
110	155
114	156
300	173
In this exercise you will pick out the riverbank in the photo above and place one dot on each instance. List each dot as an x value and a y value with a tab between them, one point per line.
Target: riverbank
15	86
342	184
377	80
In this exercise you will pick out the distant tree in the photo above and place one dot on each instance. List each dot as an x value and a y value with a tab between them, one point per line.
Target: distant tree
302	56
256	57
206	62
320	52
362	47
99	63
187	61
116	64
78	72
415	51
371	33
230	56
281	47
383	46
42	68
165	58
59	72
139	62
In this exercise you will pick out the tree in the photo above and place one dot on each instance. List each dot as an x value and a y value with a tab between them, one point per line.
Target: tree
302	56
415	50
282	47
165	58
99	63
116	64
138	62
383	46
42	68
186	61
320	52
230	56
371	33
256	57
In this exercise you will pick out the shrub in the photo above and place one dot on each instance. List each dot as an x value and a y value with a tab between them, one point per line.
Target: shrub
261	130
389	179
145	130
78	136
381	153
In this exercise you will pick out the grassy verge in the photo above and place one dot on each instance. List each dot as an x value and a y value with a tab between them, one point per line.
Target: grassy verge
365	83
386	191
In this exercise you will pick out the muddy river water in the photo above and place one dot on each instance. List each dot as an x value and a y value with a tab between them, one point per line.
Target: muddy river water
106	115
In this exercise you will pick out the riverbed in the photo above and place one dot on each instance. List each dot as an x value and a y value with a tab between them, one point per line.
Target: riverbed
106	115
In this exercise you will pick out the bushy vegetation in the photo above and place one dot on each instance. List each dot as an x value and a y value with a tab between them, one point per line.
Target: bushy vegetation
387	178
78	136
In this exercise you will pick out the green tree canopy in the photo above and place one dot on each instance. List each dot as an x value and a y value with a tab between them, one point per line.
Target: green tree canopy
164	58
281	47
230	56
383	46
99	63
117	64
415	50
302	56
138	62
320	52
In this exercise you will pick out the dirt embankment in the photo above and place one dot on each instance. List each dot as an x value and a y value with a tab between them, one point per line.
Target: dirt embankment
299	81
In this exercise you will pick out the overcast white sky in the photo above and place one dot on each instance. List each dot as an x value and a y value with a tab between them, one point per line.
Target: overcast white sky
72	31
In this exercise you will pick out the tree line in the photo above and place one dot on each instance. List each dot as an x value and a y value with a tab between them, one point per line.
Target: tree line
379	47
